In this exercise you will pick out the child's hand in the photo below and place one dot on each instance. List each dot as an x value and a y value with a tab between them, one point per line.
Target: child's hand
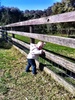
43	54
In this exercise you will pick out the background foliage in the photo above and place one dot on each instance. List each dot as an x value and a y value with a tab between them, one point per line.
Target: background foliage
12	15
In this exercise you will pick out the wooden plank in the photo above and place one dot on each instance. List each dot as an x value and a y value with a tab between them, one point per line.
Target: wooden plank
21	43
60	80
31	29
65	17
69	42
58	60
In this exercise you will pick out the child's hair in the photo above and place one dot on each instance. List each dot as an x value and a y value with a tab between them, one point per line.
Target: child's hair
40	43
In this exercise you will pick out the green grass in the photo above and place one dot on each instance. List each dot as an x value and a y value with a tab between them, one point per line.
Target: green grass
22	38
16	84
60	50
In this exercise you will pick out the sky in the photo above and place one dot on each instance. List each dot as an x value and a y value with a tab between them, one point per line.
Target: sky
29	4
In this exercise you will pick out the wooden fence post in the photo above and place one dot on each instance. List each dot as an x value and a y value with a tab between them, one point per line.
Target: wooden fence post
13	35
6	35
68	32
31	31
2	32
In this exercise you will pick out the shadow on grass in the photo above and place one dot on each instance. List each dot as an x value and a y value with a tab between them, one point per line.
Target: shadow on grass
5	44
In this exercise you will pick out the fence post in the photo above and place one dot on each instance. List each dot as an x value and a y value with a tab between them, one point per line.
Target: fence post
13	35
2	32
68	32
6	35
31	29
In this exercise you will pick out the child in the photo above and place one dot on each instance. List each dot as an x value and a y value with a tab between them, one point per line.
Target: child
35	51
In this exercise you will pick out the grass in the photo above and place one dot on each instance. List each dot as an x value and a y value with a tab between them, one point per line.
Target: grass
16	84
60	50
22	38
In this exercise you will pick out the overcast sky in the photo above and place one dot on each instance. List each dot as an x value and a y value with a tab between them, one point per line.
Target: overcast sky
29	4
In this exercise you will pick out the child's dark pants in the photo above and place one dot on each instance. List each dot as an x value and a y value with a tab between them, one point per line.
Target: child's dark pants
31	63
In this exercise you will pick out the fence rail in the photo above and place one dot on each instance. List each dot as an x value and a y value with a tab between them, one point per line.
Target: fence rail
59	60
65	17
68	42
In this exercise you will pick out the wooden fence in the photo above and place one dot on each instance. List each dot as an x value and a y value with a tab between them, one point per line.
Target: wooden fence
68	42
